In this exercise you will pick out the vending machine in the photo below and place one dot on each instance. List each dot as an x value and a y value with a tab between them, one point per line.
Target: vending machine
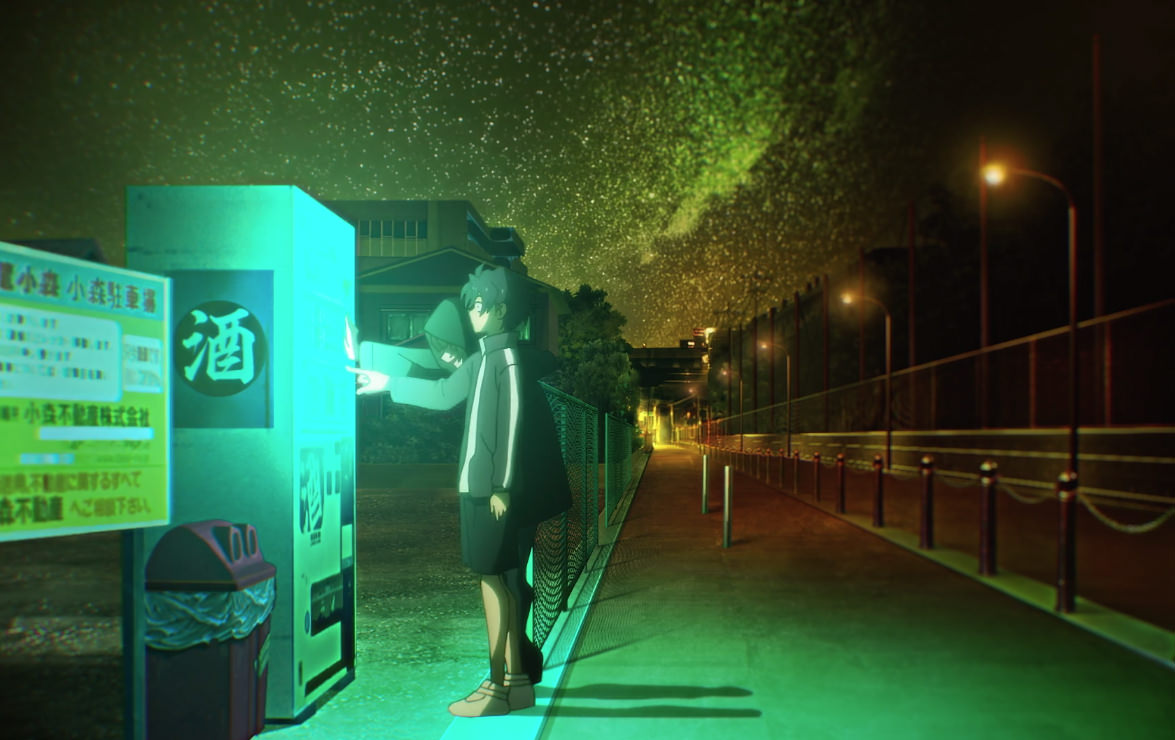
263	408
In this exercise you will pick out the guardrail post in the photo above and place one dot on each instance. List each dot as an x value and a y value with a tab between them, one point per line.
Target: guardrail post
988	476
816	473
727	494
1067	542
840	483
926	531
782	461
705	484
878	504
795	473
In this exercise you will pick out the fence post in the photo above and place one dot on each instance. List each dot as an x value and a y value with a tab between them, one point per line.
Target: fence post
1067	542
795	473
988	476
782	461
609	484
564	581
840	482
727	494
816	473
878	504
926	532
705	484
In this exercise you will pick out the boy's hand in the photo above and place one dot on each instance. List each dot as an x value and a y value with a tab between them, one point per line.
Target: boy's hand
369	381
499	502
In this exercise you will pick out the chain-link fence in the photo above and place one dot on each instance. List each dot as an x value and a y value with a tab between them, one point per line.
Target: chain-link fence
1022	383
564	544
618	441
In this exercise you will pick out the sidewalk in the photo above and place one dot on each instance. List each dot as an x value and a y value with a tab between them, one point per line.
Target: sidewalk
809	627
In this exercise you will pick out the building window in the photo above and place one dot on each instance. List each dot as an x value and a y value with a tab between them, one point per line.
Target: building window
391	238
401	324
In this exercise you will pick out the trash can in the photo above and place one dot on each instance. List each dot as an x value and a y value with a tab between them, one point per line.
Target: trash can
209	596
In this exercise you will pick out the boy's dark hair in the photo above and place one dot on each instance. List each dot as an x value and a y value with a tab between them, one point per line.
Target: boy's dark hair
495	286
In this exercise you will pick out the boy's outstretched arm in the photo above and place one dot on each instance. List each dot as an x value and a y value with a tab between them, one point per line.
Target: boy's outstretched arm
439	395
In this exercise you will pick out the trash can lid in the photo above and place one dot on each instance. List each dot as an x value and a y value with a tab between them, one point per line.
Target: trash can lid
213	555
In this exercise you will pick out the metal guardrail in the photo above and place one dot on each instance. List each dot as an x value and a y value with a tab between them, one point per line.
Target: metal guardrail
1045	534
1016	384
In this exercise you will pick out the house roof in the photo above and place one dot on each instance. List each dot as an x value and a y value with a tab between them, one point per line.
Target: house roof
444	270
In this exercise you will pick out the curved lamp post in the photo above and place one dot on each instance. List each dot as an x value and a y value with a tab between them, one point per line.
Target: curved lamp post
848	298
996	174
770	345
728	372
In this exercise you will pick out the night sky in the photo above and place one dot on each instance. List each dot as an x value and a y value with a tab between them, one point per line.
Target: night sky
696	160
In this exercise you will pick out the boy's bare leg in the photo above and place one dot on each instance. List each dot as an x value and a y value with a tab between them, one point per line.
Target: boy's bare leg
513	631
501	614
492	697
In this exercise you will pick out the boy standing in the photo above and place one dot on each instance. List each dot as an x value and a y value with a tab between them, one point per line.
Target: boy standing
490	383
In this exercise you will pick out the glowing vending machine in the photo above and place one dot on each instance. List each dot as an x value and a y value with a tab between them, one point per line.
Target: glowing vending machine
264	412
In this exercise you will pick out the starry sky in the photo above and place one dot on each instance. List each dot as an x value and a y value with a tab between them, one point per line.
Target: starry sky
697	160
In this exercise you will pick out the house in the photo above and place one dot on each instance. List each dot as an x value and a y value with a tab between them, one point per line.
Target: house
412	254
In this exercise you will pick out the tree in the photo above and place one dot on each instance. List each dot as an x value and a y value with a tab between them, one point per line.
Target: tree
593	363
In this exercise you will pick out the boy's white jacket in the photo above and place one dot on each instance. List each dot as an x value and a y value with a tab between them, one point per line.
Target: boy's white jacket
490	384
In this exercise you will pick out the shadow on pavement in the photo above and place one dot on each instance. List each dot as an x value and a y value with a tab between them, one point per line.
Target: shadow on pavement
661	711
624	691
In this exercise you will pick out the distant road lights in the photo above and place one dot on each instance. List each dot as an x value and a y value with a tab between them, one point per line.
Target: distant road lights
848	299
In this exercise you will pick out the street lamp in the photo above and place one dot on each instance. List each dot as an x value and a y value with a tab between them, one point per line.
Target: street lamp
996	174
730	402
787	383
848	298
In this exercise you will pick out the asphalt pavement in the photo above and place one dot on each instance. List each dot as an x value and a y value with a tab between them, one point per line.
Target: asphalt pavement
809	626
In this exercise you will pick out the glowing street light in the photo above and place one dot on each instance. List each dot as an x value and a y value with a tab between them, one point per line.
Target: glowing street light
995	174
848	298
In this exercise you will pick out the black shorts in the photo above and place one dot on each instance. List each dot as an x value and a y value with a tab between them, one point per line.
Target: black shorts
488	545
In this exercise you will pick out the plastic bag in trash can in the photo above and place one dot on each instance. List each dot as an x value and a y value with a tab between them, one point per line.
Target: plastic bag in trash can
177	620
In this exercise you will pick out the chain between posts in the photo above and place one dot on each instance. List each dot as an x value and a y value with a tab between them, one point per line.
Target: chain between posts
1119	526
843	464
1024	499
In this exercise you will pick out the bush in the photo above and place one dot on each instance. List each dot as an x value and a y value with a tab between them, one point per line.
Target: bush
407	434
